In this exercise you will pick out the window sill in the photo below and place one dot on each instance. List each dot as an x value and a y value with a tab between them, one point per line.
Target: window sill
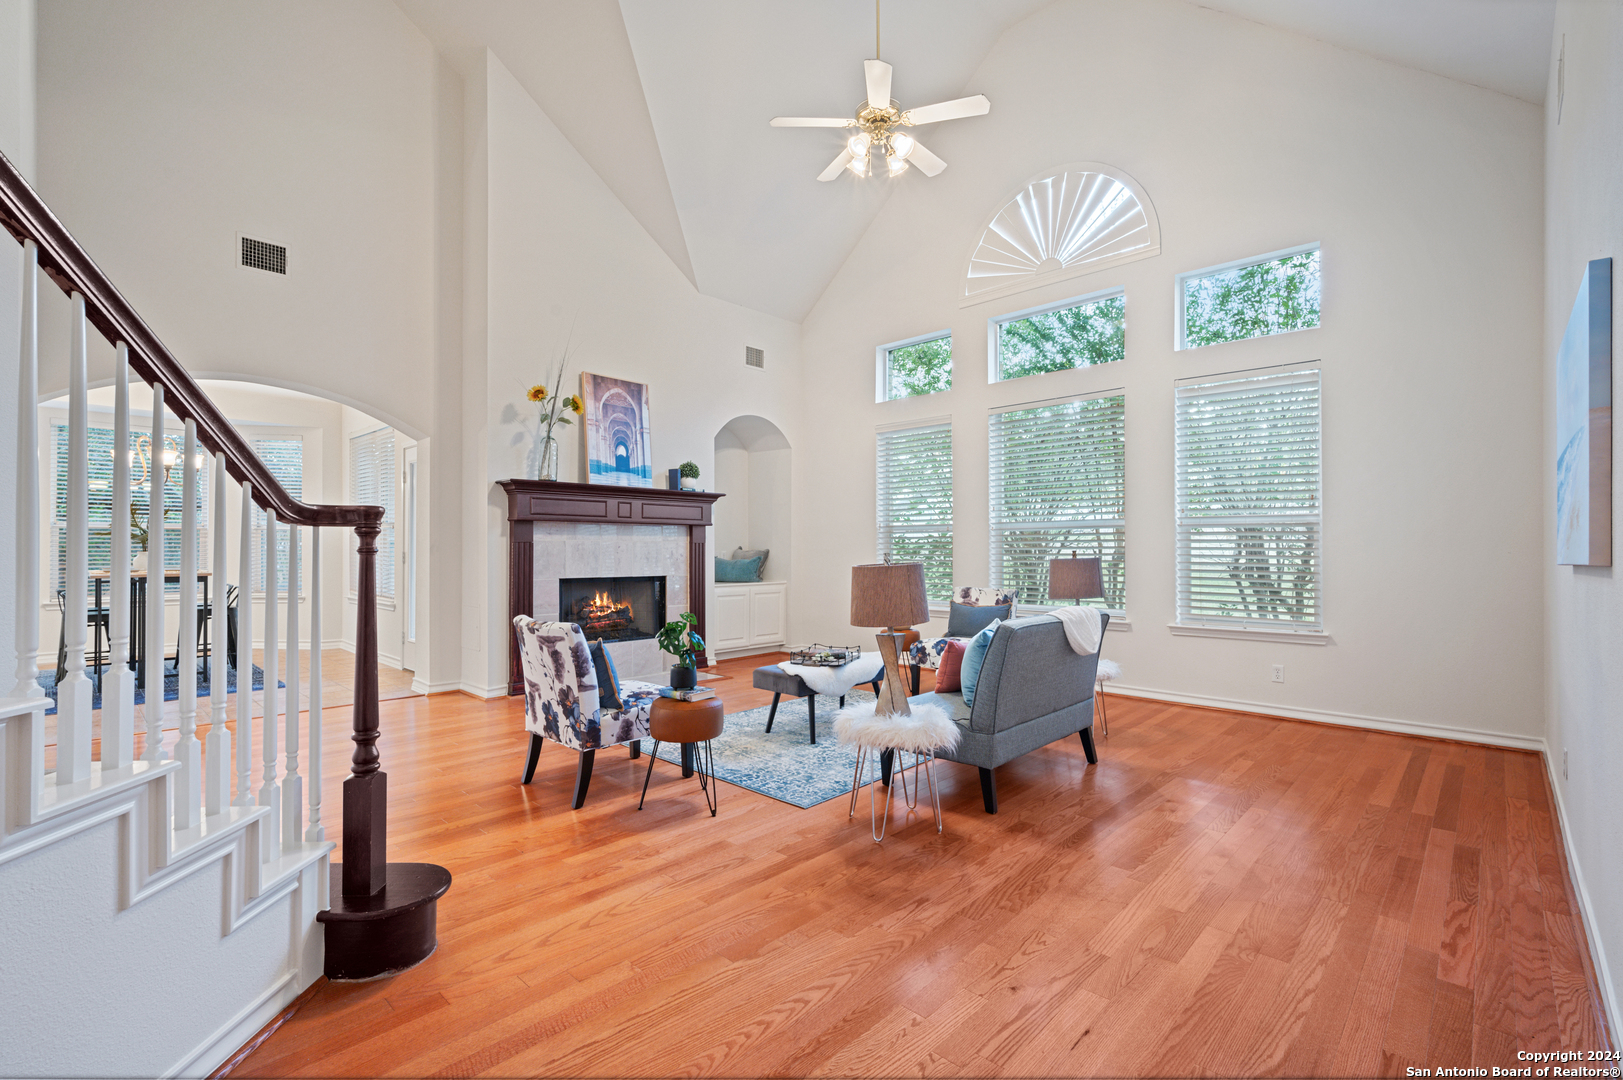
383	603
1243	633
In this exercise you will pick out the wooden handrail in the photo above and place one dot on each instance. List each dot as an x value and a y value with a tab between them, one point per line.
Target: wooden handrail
26	217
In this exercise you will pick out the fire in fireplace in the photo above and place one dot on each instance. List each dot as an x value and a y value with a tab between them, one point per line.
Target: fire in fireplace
613	608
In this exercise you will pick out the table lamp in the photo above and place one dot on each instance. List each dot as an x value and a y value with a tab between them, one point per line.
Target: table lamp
1075	579
889	594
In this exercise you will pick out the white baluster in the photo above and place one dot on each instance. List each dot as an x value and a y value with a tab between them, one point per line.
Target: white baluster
188	785
118	684
270	836
28	568
217	751
73	696
154	645
317	832
245	652
292	782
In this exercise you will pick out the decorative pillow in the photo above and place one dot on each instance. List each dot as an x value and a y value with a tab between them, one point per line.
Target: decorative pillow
965	621
974	657
608	680
740	553
947	678
738	569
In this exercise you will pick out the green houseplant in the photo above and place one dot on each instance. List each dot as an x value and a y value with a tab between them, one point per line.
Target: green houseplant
677	637
689	471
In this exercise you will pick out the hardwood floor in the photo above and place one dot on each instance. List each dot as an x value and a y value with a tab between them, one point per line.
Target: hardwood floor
1223	894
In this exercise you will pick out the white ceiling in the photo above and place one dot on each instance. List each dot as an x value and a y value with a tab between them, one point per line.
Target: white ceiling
669	102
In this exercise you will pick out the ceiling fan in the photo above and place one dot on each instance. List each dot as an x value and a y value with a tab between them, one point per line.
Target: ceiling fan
879	123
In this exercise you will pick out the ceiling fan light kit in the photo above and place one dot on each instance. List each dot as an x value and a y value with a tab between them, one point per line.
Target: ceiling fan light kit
879	122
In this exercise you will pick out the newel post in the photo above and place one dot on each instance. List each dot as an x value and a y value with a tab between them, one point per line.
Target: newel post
382	918
366	790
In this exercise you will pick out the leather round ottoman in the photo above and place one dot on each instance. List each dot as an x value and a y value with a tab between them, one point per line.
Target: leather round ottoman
693	724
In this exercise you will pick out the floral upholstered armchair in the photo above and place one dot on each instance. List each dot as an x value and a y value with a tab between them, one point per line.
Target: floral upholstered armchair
925	654
563	702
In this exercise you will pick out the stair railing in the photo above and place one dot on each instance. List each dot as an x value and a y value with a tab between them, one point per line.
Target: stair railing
212	448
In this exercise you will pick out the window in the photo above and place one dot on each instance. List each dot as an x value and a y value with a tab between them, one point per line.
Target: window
1247	491
1059	484
915	502
371	483
910	368
284	457
1272	294
100	443
1055	339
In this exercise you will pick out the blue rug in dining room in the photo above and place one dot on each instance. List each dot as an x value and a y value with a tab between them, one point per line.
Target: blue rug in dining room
171	684
783	765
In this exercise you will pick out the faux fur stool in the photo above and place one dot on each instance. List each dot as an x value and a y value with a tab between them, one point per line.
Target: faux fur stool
927	729
1108	671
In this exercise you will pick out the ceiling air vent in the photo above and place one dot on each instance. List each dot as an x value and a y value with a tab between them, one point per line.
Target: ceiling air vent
754	357
264	255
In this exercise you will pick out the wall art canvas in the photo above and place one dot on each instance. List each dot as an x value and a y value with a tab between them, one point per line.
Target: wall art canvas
1583	425
617	444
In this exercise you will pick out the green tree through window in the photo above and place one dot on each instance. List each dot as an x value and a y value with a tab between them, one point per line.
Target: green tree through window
924	367
1252	301
1080	336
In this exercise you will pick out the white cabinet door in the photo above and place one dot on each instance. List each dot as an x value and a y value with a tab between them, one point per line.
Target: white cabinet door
767	614
730	626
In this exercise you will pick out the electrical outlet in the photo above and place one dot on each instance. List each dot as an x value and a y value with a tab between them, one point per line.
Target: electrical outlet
1279	673
1564	775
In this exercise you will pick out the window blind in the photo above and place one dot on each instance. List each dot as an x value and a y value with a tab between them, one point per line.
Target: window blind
1059	484
371	483
284	457
100	444
915	502
1248	500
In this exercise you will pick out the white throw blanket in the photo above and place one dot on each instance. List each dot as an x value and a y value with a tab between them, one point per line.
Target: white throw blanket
1082	627
837	681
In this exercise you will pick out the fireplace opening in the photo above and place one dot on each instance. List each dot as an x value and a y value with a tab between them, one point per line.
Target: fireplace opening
613	608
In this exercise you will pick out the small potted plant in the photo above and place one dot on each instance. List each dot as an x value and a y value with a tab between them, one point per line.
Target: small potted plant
690	476
678	639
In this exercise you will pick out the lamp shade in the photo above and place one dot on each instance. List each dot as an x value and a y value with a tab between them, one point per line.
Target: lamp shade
888	594
1075	579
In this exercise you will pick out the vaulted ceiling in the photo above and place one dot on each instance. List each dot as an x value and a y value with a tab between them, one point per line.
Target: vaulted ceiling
669	102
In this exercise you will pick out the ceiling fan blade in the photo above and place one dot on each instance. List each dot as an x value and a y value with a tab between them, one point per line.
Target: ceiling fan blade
810	121
949	110
835	166
927	163
878	75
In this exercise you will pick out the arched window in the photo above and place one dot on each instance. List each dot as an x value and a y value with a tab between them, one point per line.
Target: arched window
1069	221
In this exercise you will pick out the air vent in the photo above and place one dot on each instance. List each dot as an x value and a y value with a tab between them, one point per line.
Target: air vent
264	255
754	357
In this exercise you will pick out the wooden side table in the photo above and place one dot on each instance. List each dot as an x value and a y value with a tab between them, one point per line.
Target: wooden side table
692	724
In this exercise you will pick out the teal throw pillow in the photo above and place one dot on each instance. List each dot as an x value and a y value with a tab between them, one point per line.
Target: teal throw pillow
967	620
608	680
739	569
974	657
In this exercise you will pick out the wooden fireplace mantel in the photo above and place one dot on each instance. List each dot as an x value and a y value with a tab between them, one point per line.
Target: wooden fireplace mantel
529	501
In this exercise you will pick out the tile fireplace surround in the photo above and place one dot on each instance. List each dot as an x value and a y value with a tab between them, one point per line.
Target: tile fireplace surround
559	530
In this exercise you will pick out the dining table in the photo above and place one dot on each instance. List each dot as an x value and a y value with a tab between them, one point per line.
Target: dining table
101	579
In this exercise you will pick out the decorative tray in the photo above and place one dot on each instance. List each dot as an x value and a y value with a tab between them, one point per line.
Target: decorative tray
825	655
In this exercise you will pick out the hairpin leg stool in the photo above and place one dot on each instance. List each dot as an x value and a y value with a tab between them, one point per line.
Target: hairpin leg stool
693	724
919	733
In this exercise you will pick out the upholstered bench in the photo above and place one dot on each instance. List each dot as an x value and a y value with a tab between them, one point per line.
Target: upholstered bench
781	682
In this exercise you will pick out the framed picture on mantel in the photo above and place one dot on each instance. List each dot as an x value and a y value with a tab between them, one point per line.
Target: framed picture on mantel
1583	425
617	443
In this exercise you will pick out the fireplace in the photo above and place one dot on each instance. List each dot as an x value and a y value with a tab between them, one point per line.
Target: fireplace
613	608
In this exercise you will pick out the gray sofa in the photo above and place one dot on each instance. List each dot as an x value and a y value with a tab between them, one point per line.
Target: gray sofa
1033	690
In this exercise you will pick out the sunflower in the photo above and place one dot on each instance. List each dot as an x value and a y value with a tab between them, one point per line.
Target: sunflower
537	393
576	404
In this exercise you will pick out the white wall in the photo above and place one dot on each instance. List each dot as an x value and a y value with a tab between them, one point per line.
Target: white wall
17	143
1584	220
559	251
1424	193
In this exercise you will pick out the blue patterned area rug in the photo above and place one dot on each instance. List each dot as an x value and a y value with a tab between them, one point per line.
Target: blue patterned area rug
171	685
783	765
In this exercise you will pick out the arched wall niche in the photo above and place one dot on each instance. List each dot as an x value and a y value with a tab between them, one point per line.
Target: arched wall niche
753	469
1066	221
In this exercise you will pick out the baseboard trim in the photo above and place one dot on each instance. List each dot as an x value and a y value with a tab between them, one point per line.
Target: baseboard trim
220	1046
1602	974
483	693
1423	730
268	1030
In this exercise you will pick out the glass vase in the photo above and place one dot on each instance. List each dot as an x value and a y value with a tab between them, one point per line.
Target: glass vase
542	461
